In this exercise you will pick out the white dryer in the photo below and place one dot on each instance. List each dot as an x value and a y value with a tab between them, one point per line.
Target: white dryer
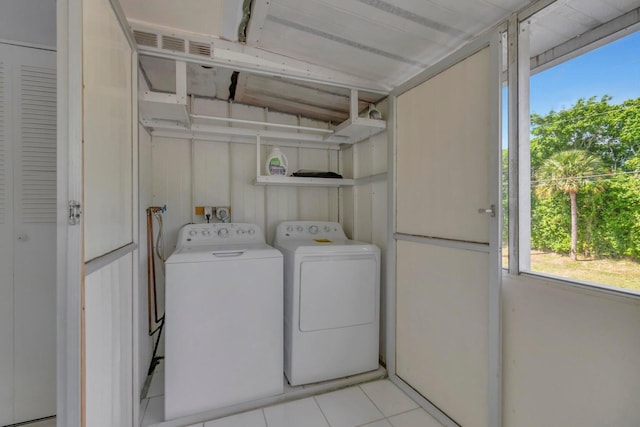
223	312
331	303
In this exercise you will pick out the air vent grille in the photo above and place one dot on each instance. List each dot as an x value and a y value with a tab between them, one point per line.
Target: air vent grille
173	43
38	150
200	49
145	39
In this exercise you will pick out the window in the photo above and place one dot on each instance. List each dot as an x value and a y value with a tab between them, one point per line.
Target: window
581	218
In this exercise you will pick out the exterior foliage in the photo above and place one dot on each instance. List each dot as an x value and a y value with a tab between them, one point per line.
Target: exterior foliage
589	153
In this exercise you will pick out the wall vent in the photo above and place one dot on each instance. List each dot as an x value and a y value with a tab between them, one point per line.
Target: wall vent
38	149
145	39
200	49
173	43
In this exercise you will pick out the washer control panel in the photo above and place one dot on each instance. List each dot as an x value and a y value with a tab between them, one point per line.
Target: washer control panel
219	233
300	230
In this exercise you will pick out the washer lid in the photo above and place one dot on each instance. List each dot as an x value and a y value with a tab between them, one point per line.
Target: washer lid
213	253
326	246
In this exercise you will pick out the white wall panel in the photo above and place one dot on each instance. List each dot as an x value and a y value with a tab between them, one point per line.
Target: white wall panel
171	177
29	21
108	132
145	191
108	345
442	328
443	143
247	200
211	173
570	356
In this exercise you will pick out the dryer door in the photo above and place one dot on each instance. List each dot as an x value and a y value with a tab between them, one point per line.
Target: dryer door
338	292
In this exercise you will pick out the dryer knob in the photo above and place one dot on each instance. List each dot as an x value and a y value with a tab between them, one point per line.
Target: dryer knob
290	229
206	232
313	229
240	232
251	232
299	228
327	229
193	233
223	232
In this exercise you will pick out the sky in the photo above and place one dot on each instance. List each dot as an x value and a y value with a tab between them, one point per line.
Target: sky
613	69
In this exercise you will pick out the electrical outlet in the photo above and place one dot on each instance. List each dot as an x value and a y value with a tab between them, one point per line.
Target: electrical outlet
208	213
222	213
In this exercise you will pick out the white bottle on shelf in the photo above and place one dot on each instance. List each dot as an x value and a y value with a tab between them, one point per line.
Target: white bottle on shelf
276	163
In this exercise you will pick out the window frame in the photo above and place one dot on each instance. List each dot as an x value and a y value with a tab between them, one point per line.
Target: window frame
518	131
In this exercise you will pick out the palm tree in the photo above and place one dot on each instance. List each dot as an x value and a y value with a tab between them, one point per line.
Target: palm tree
566	172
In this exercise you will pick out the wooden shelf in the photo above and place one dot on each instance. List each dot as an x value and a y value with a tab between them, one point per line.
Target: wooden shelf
296	181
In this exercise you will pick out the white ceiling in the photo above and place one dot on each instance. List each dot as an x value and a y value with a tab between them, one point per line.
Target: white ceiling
381	41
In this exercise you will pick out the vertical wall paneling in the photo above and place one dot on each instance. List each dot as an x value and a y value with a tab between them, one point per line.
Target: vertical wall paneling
108	320
247	200
6	237
144	174
211	173
347	199
171	177
107	132
28	233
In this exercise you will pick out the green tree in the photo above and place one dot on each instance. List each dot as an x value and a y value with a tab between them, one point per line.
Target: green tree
609	131
567	172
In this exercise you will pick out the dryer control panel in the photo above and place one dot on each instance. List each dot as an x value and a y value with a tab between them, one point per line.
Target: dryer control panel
219	234
302	230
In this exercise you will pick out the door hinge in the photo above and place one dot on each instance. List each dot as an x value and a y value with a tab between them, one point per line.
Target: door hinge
74	212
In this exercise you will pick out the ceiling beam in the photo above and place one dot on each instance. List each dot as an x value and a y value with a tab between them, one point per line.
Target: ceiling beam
581	43
240	57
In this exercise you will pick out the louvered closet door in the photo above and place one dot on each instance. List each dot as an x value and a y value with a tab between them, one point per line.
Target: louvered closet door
34	210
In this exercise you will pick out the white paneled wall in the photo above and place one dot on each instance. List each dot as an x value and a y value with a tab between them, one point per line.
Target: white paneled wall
109	340
189	173
365	205
144	169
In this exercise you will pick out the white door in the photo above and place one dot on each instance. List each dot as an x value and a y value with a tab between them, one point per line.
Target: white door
98	267
447	268
27	224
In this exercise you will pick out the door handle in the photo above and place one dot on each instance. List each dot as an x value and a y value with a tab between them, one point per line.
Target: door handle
490	211
22	237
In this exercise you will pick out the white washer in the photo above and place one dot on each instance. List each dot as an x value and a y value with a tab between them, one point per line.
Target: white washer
223	342
331	304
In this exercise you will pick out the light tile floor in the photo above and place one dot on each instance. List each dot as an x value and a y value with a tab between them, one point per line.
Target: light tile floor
375	404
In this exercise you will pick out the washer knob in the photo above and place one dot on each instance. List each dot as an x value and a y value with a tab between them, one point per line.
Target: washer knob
223	232
206	232
192	232
299	228
327	229
240	231
251	232
313	229
290	228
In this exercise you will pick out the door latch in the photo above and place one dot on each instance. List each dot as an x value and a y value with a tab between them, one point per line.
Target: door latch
490	211
74	212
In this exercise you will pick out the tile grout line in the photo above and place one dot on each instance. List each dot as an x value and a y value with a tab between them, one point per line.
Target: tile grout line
264	417
384	417
321	411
